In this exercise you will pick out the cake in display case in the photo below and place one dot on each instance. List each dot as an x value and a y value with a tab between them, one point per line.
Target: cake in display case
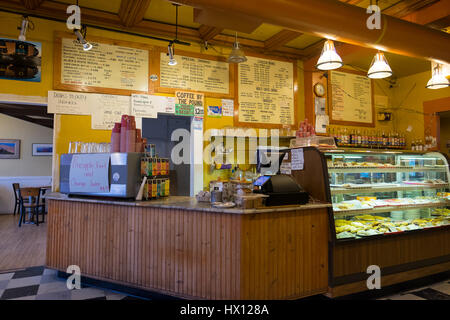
380	193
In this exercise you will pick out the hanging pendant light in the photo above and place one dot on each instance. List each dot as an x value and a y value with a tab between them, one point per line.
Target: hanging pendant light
236	54
82	39
23	29
172	61
379	68
329	59
438	79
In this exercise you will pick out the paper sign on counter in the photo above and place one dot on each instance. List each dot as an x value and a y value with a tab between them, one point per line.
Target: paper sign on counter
146	106
89	173
297	159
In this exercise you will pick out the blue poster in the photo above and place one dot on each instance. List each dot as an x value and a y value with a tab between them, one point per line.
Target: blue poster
20	60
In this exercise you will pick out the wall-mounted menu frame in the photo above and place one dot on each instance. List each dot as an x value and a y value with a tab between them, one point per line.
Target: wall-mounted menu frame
346	106
292	104
156	86
132	77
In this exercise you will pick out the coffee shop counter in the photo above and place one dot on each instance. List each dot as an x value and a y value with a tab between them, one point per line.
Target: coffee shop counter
181	247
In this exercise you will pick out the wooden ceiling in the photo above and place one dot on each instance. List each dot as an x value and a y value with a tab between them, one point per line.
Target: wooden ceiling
157	17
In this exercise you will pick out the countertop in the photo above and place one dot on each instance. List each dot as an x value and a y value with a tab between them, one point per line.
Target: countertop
183	203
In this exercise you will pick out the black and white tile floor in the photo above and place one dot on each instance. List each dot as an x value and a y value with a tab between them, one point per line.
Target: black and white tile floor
39	283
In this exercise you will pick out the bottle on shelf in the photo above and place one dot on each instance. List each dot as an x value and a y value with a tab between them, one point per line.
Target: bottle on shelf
413	145
359	139
383	140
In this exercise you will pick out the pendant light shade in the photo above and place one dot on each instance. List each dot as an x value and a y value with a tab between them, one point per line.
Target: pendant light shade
236	54
329	59
438	79
172	61
379	68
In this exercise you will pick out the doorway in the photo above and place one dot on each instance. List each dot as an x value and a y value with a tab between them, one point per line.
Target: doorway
159	131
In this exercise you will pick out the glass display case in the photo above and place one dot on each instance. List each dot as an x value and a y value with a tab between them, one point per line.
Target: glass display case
379	193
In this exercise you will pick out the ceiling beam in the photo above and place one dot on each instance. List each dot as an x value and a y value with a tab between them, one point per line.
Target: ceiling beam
280	39
227	20
42	122
207	32
132	12
31	4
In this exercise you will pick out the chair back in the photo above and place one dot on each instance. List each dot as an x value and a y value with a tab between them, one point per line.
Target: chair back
29	192
16	187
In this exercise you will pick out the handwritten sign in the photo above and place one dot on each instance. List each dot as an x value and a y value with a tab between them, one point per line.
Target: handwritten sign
68	103
227	107
89	173
189	103
107	109
297	159
266	91
195	74
351	97
104	66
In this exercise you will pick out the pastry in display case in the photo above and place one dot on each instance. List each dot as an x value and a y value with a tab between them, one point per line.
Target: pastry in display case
378	193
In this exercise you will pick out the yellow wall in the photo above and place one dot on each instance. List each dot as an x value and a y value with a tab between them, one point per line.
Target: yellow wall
408	97
445	136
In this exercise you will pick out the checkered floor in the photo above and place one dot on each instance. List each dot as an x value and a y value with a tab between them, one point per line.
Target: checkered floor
38	283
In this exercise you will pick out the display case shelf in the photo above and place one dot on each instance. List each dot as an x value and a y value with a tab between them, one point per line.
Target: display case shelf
386	169
349	213
365	190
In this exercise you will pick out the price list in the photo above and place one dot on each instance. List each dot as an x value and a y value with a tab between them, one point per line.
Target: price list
266	91
195	74
351	97
104	66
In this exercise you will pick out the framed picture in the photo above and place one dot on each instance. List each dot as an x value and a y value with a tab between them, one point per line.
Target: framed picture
9	149
42	149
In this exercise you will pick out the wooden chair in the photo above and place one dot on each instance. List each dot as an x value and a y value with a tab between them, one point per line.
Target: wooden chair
16	187
34	205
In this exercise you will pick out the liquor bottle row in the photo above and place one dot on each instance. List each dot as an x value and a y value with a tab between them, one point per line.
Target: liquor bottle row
368	138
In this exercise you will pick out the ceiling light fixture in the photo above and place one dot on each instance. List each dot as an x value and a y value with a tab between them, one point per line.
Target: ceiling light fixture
379	68
237	54
438	79
170	53
23	29
81	36
329	59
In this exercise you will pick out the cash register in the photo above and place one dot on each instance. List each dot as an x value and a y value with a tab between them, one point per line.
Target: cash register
281	189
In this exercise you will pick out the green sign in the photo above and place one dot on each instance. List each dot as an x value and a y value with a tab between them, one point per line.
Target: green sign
184	110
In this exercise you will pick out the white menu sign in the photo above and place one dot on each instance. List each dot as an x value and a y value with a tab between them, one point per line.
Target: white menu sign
89	173
61	102
107	109
297	159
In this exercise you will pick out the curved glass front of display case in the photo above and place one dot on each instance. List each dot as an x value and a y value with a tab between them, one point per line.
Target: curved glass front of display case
386	192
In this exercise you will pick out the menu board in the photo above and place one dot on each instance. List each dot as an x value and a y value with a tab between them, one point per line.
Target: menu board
266	91
351	98
104	66
148	106
196	74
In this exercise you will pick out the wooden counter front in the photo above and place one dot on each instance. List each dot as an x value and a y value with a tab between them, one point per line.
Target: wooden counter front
192	253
